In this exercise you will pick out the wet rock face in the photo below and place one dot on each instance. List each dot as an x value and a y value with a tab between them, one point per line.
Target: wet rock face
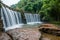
51	26
50	29
4	36
25	34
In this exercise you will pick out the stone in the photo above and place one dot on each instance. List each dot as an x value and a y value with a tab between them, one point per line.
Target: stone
4	36
25	34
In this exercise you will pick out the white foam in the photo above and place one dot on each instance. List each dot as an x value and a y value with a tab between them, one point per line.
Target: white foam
13	27
32	23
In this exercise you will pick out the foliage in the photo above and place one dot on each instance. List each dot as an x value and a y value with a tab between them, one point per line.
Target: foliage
29	5
48	9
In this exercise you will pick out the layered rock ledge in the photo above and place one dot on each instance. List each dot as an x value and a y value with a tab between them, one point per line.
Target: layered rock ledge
50	29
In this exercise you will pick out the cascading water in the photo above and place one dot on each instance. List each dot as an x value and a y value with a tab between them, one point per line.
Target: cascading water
32	18
11	19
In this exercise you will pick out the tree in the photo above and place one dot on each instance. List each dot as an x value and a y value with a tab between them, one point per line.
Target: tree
48	9
29	5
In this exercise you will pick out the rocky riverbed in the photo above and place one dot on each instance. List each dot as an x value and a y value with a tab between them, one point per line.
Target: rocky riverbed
34	33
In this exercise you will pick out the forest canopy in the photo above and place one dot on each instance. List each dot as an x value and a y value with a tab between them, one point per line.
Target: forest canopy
49	10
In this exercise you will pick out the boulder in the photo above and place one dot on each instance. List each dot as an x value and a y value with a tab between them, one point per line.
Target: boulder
25	34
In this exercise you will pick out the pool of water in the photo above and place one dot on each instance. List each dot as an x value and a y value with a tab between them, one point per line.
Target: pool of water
23	26
30	25
51	37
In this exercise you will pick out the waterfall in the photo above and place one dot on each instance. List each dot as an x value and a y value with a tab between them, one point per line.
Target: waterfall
32	18
11	19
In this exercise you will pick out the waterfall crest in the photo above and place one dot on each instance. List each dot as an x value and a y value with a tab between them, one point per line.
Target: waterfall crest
11	19
32	18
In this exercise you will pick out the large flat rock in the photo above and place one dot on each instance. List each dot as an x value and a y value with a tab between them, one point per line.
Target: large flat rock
25	34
